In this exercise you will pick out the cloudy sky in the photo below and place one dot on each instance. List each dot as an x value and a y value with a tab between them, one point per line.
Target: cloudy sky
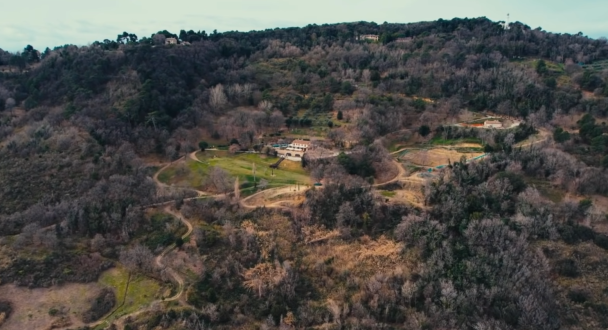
44	23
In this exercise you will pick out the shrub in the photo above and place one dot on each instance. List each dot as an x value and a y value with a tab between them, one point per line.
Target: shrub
573	233
567	267
559	135
6	308
578	295
516	181
203	145
100	306
601	240
424	130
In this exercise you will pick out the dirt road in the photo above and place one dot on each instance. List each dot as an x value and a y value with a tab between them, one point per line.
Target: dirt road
164	185
192	156
178	279
542	136
401	172
272	192
155	177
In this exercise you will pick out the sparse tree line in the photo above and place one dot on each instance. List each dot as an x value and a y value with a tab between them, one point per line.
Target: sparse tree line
475	73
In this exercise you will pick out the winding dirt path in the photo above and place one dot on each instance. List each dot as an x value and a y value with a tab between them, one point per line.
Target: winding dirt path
272	192
200	193
177	278
155	177
159	259
192	156
400	174
542	136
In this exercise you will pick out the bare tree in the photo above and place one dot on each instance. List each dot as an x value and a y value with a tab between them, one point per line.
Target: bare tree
276	120
234	148
137	259
219	180
267	277
217	97
159	39
265	105
97	243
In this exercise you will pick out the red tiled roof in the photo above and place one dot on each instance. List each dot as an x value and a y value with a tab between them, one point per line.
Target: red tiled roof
300	142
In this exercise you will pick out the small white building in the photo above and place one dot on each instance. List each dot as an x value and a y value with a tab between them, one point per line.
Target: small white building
492	124
368	37
170	41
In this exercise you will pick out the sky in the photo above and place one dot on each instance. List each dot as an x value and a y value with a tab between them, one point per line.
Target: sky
44	23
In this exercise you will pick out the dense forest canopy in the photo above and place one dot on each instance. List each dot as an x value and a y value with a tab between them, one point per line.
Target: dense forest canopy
512	241
463	59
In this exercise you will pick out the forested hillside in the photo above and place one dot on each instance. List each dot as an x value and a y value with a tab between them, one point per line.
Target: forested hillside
515	240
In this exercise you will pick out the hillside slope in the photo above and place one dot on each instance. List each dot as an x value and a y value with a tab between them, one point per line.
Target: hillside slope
513	240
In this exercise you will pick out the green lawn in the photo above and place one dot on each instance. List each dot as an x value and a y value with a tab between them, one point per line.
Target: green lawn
141	292
239	165
437	140
387	193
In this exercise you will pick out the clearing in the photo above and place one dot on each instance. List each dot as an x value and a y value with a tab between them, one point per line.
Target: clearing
32	308
276	197
436	157
140	293
363	257
192	173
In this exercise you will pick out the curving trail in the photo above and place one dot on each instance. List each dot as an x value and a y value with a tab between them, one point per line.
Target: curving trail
119	322
178	279
155	177
192	156
200	193
542	136
400	174
273	192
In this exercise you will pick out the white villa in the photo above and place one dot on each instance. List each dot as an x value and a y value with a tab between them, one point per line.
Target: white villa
369	37
492	124
295	150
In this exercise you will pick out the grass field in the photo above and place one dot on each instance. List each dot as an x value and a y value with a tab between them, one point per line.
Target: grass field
32	307
193	173
141	290
436	157
437	140
386	193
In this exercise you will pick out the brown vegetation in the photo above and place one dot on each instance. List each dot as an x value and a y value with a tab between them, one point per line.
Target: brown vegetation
476	246
437	156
